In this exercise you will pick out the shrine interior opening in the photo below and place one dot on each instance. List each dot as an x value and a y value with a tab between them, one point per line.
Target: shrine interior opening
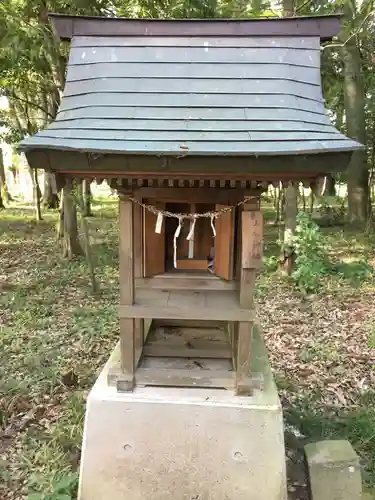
192	255
211	247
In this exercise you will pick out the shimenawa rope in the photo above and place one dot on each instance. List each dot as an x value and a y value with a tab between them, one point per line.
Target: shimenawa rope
160	214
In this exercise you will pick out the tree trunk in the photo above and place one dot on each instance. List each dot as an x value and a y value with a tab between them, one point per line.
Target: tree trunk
36	193
87	197
287	257
60	224
3	183
282	199
354	98
303	196
1	201
86	238
312	198
277	204
330	189
72	246
291	195
50	197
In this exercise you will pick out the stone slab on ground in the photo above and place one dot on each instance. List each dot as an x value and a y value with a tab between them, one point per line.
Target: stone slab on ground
334	470
184	444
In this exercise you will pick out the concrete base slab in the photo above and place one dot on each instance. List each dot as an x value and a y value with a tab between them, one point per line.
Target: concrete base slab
183	444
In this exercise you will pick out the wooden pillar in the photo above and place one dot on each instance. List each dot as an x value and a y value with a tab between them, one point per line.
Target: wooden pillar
126	262
251	260
138	270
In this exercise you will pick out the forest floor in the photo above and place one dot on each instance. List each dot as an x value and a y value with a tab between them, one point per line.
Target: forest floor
55	337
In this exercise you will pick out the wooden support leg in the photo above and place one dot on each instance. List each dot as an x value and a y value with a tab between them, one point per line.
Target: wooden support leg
245	333
138	339
138	273
128	354
251	252
126	262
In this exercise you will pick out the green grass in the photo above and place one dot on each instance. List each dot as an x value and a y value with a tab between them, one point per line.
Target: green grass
55	337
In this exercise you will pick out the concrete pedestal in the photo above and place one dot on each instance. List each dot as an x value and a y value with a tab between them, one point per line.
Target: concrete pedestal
183	444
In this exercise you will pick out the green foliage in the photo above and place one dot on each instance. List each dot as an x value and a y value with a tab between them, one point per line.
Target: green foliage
371	340
355	272
314	265
331	211
311	263
270	263
63	488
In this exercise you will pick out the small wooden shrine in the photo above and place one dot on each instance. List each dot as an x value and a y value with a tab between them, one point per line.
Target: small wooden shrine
190	121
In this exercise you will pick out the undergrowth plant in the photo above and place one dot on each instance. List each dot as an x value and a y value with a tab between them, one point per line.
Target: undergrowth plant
312	262
63	489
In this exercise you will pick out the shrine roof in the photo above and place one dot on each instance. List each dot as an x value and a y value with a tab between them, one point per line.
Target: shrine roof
193	87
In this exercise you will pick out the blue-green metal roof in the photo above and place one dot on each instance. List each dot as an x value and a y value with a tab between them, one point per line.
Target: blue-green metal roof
193	95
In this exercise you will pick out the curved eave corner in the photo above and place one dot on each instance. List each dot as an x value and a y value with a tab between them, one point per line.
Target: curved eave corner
161	148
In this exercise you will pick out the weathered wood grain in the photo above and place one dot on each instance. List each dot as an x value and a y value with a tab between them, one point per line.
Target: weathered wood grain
223	243
126	263
252	239
157	304
154	248
196	283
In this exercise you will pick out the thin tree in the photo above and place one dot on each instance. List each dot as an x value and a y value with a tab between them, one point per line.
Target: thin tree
4	192
291	196
69	227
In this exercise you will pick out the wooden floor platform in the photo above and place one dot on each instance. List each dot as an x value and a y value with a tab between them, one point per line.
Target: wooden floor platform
179	372
195	281
188	342
186	304
182	356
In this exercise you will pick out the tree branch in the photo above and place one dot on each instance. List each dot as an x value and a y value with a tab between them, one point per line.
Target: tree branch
356	33
301	7
32	104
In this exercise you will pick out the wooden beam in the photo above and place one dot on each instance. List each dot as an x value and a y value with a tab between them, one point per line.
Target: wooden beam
176	304
195	349
195	283
188	323
194	195
192	264
186	312
278	167
126	262
68	26
217	379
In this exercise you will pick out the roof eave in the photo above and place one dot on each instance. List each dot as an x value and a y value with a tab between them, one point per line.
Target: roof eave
325	27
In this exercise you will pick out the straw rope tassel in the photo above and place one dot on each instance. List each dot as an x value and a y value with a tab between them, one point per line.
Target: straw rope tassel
213	217
159	222
190	236
176	235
